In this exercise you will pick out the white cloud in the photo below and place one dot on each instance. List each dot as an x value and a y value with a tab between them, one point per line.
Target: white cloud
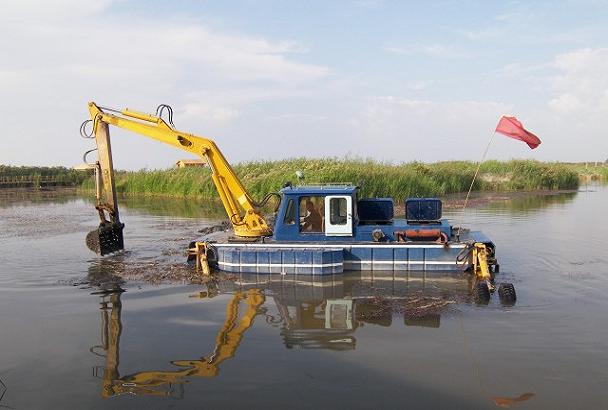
520	69
574	116
432	50
49	10
408	129
480	34
419	85
574	88
62	53
208	112
566	103
225	84
582	83
441	50
369	4
298	117
509	16
395	50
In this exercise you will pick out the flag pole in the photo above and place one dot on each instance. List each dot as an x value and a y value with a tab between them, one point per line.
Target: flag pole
466	199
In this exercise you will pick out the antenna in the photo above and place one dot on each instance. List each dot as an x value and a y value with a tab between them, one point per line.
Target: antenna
300	176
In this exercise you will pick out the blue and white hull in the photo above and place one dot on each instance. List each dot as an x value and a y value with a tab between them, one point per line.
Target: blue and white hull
324	230
325	259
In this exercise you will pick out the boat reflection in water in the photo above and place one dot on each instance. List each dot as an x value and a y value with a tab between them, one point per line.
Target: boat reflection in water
326	314
314	314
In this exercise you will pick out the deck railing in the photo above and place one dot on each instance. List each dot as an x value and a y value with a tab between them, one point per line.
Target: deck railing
35	181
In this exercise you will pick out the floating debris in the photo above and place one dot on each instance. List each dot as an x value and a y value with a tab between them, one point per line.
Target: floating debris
223	226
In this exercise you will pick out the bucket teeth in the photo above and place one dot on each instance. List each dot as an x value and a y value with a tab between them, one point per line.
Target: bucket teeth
107	238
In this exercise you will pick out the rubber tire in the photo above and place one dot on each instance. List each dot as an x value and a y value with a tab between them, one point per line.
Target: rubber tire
481	293
506	292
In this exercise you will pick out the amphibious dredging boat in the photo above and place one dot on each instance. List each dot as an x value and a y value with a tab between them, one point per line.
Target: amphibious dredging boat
326	229
321	229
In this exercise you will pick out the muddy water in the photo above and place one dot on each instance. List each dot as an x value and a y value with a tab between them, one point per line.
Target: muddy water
75	334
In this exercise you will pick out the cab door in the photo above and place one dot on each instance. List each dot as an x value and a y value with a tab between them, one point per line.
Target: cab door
338	215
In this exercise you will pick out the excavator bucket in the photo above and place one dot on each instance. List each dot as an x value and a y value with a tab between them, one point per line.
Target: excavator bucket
107	238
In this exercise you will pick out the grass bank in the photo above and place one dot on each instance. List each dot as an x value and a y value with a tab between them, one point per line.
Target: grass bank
377	179
590	171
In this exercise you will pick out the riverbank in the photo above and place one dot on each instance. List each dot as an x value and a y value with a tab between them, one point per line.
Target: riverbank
589	171
376	179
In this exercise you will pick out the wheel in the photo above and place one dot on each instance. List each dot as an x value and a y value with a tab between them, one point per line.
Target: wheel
506	292
481	293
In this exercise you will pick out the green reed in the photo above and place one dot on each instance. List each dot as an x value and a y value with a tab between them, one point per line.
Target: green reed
376	179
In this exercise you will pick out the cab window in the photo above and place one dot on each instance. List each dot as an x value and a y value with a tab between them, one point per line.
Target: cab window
338	211
290	214
312	211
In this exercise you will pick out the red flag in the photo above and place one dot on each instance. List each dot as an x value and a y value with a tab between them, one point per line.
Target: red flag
512	128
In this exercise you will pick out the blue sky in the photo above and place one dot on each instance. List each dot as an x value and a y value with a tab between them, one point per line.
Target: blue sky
390	80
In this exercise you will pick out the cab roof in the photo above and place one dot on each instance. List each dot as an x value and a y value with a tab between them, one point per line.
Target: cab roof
328	189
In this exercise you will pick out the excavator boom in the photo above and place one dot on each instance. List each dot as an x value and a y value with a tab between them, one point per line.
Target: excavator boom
243	212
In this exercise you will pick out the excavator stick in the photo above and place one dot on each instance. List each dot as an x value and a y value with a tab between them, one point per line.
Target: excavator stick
108	237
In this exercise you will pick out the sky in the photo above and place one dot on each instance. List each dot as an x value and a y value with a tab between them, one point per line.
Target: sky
389	80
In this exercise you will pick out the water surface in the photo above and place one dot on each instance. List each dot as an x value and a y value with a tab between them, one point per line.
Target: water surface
350	341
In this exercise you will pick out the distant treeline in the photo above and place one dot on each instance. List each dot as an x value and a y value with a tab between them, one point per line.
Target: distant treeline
13	175
376	179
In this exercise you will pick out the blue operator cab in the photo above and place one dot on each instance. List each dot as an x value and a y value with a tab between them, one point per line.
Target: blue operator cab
334	213
317	213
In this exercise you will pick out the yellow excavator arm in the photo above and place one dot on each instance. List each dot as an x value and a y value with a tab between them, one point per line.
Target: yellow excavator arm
243	212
